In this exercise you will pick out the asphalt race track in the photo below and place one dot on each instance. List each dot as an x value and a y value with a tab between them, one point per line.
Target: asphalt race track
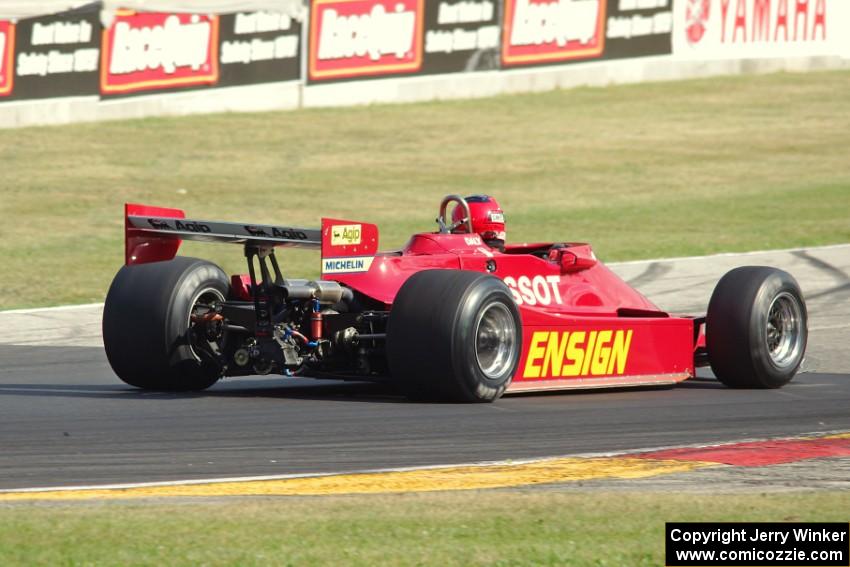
66	420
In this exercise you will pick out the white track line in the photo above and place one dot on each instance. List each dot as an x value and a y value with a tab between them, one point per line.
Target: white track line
60	391
732	254
413	468
830	327
48	309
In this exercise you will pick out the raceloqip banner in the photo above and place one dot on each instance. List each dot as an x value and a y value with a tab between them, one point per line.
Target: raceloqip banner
72	54
357	39
140	52
538	32
154	51
102	50
145	52
352	39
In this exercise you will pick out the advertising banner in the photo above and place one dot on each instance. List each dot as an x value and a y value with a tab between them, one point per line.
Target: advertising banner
365	38
57	55
150	51
638	28
259	47
7	57
462	36
710	29
538	32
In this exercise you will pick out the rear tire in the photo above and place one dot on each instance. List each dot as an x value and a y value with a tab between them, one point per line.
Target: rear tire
454	336
146	323
756	328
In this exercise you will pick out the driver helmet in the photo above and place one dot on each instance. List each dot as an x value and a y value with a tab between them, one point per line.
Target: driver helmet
488	220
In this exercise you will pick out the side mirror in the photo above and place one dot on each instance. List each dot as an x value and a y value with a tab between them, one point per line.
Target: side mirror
572	262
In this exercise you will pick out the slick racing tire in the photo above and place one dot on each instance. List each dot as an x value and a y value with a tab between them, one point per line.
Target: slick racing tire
150	339
756	328
454	336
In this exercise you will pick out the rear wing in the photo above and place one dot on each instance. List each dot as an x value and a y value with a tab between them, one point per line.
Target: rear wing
153	234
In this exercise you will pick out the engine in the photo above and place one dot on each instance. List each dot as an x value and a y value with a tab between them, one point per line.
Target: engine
295	325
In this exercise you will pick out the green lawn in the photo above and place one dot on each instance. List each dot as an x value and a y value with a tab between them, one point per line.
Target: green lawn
640	171
473	528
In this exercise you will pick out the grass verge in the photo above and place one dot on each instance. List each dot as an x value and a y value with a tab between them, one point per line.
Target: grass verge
473	528
665	169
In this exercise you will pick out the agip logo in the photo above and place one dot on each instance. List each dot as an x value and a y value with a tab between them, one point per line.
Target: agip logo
7	57
346	234
151	50
351	38
548	31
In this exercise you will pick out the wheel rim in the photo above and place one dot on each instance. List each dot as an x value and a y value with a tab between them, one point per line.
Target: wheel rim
784	336
495	340
199	322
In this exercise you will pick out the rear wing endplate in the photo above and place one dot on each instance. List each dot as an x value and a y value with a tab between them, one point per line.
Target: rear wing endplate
153	234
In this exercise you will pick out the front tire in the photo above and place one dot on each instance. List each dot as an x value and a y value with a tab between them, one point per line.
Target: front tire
148	331
756	328
454	336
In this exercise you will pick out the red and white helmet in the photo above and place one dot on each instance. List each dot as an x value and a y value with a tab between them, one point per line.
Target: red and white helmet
488	220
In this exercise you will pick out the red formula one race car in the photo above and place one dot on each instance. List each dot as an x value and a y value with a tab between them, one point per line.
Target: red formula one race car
455	315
